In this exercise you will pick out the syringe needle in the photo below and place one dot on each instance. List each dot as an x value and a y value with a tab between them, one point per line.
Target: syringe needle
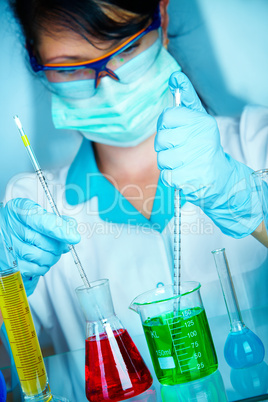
51	201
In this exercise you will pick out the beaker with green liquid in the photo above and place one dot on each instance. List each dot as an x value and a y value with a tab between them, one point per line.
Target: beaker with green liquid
177	333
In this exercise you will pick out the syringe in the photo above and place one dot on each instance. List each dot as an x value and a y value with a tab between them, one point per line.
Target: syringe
177	226
51	201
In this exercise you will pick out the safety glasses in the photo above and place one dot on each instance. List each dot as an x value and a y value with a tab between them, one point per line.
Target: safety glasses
96	68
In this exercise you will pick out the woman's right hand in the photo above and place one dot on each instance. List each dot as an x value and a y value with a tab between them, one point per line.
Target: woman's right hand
38	238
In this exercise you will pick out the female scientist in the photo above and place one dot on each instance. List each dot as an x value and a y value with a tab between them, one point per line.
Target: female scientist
107	68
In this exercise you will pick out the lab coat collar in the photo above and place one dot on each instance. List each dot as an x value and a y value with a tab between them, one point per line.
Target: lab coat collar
85	181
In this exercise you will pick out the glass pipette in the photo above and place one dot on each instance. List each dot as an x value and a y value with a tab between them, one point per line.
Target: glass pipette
51	201
242	348
177	226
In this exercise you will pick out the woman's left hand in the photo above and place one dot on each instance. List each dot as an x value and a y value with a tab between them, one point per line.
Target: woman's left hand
190	157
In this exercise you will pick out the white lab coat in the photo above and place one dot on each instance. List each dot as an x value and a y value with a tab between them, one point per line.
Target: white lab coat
135	258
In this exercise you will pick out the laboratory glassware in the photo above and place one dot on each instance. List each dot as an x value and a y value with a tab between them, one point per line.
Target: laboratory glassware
20	330
261	180
242	347
179	342
114	368
177	228
207	389
3	389
51	201
250	381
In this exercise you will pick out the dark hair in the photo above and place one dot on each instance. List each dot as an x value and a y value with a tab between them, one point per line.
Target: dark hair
101	19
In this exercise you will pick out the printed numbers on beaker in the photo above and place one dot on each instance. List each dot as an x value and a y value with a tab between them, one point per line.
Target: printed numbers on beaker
27	309
194	344
163	353
154	334
200	366
189	323
186	313
192	334
197	354
33	334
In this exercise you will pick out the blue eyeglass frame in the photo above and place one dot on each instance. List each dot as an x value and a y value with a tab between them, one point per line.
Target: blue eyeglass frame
99	65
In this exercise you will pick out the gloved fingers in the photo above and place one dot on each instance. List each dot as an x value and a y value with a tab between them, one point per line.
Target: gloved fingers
33	238
180	116
167	138
31	270
190	182
169	159
37	256
46	243
179	125
32	215
189	97
57	228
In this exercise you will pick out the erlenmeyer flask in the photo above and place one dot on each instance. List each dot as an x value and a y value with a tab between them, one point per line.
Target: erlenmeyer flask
114	368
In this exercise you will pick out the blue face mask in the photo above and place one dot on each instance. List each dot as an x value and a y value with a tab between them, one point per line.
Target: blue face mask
120	113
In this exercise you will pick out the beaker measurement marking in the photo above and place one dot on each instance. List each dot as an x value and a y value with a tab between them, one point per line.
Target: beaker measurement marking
27	369
182	360
189	368
20	336
170	330
24	358
176	333
183	354
188	347
26	349
179	343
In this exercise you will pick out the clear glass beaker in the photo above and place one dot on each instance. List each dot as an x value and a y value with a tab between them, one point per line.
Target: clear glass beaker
114	368
261	180
179	341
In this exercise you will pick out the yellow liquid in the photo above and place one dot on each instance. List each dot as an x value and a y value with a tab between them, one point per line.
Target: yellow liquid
22	335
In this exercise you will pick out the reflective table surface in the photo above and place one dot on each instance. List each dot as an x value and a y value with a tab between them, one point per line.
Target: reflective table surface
66	372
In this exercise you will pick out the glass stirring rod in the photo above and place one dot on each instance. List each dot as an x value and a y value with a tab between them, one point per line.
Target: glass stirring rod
51	201
177	225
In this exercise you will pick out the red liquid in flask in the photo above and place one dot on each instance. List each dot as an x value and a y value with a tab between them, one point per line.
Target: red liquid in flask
114	368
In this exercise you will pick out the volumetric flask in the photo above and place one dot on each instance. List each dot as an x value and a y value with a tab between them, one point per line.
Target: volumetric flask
114	368
20	330
179	340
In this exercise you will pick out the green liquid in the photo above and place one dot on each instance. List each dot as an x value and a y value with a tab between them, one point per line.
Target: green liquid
181	347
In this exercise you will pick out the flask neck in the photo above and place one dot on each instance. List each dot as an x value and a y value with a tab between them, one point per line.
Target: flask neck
106	327
228	290
96	301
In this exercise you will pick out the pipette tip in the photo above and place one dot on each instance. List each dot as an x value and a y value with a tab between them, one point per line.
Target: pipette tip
18	124
177	97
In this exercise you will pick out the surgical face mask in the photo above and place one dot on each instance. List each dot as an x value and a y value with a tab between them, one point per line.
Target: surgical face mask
120	113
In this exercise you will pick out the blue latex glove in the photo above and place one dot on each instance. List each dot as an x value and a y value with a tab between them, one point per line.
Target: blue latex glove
190	157
38	238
